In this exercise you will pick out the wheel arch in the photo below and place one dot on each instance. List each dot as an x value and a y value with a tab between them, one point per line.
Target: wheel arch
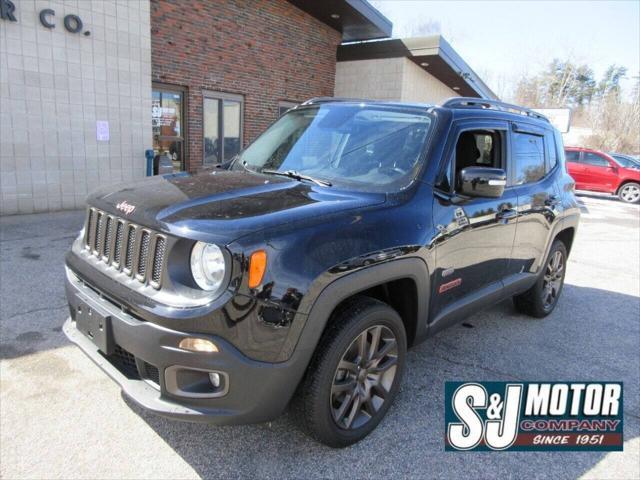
566	236
397	279
624	182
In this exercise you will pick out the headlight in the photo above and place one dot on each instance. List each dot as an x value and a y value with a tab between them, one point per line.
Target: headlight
207	265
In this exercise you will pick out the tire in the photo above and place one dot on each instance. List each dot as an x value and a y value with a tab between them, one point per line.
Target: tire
320	400
536	301
629	192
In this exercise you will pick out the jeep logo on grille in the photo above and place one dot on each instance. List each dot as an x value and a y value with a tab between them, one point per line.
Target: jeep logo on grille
125	207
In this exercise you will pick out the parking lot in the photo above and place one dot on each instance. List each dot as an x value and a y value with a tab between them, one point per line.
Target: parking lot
62	417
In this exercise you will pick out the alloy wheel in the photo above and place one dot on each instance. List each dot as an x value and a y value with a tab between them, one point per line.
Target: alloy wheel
630	193
553	280
364	377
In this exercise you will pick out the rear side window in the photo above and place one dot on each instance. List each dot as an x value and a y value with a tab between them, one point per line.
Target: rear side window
572	156
528	155
595	160
552	151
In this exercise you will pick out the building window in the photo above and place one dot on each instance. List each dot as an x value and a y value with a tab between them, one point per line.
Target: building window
167	114
284	106
222	126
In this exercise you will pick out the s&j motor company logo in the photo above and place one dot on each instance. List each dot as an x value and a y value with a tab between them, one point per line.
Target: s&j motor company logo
533	416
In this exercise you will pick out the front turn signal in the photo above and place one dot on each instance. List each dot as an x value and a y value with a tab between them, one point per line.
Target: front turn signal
257	267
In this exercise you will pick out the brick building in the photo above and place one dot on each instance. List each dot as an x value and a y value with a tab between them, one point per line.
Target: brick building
226	69
86	87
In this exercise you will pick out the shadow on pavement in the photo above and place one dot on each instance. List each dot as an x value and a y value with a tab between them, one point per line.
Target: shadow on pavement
592	335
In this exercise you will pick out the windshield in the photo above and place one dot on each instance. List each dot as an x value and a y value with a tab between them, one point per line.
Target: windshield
624	161
370	147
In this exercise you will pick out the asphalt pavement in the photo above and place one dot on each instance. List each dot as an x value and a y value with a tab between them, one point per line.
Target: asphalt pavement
61	417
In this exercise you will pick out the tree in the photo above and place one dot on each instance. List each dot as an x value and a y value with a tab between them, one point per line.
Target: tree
562	84
610	83
614	122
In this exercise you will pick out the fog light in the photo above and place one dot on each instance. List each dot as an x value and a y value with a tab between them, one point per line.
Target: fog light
198	345
215	379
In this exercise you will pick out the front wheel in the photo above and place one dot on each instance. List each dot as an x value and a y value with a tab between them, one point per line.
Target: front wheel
354	375
540	300
629	192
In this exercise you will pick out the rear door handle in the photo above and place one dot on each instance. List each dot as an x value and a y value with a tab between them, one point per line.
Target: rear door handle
552	201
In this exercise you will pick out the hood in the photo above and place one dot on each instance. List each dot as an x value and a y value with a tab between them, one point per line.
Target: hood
221	206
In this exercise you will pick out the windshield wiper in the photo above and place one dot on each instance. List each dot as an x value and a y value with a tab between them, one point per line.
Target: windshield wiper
297	176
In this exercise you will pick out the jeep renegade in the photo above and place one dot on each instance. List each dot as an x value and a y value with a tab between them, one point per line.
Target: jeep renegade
301	271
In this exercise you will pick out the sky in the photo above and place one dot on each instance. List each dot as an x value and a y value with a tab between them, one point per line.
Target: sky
502	40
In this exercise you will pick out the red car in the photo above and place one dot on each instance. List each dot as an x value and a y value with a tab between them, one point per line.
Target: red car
599	172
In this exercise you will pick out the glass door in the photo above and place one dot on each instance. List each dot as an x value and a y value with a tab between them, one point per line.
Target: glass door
167	113
222	127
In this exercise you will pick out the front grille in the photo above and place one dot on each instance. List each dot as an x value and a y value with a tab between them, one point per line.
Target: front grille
131	239
158	260
144	253
125	362
123	245
117	250
108	238
152	373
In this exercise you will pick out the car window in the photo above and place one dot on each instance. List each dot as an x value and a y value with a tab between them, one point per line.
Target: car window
552	152
595	160
572	156
365	147
474	148
528	155
625	162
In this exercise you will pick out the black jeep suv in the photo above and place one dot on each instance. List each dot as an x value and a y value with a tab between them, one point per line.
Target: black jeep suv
305	267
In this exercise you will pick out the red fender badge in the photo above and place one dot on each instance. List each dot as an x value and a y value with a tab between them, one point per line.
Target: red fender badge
449	285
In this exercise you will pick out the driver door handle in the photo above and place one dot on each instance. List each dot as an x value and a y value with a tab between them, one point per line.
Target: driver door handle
506	214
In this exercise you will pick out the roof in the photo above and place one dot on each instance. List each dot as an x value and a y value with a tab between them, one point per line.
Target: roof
433	54
355	19
462	105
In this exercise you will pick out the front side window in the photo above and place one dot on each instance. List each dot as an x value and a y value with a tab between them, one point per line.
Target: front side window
572	156
474	148
595	160
372	148
221	125
528	155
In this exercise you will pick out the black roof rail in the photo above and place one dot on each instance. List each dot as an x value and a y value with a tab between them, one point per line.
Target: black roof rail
316	100
471	102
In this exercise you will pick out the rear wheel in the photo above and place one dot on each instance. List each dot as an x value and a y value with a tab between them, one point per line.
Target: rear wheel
354	375
540	300
629	192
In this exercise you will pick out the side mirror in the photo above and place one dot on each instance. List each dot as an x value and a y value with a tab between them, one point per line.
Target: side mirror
482	182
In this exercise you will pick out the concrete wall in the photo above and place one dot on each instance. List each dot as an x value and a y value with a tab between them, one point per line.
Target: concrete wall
420	86
376	79
389	79
55	85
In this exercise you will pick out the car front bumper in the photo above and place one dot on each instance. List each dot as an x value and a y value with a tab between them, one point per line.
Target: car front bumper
253	391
